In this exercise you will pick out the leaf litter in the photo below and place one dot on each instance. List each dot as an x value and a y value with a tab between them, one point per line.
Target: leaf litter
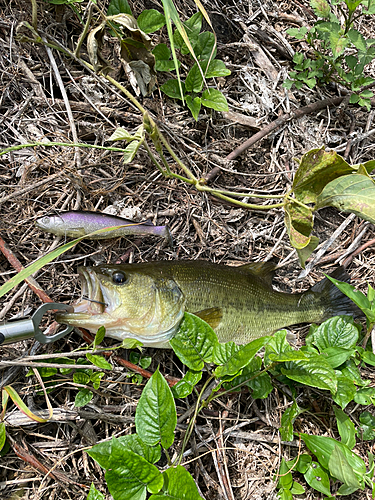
236	431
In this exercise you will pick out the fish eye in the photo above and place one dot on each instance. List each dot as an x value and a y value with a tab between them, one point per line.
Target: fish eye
119	278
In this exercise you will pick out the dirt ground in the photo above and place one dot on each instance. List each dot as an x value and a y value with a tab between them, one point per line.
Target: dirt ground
36	181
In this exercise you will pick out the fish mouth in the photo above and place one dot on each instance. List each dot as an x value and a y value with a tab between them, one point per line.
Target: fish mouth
92	301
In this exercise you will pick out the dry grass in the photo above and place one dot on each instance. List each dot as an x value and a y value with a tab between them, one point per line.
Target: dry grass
38	181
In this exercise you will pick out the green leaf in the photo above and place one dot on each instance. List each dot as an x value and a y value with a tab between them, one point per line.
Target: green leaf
298	33
321	8
303	463
339	331
277	345
120	134
96	378
171	89
261	385
350	291
351	372
194	106
194	343
297	489
94	494
346	391
101	452
223	352
313	371
194	80
99	337
186	385
83	397
285	495
369	358
118	7
336	356
367	427
150	20
287	420
317	478
299	223
241	357
345	427
155	416
2	435
99	361
212	98
357	39
81	378
317	168
350	193
205	47
339	468
178	484
365	396
131	344
216	68
162	56
285	477
323	446
130	151
192	28
130	475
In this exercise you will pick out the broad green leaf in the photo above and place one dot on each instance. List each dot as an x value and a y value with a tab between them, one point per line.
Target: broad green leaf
285	495
205	47
2	435
130	151
118	7
96	378
345	427
350	291
339	331
155	416
260	385
351	61
194	105
83	397
350	193
277	345
298	33
99	337
99	361
339	468
131	344
212	98
317	478
297	489
351	372
316	169
81	378
194	80
303	463
287	420
120	134
178	485
241	357
194	343
322	447
288	356
336	356
357	39
129	475
45	372
299	223
369	358
313	371
285	477
172	89
223	352
187	33
216	68
186	385
150	20
346	391
162	58
365	396
101	452
94	494
367	428
338	44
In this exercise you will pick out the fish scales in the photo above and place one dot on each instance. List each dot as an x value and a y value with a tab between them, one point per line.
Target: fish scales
147	301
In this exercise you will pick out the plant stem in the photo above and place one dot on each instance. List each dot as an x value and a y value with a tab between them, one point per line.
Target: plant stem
66	144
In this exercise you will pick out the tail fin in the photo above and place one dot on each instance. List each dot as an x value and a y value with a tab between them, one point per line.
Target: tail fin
336	302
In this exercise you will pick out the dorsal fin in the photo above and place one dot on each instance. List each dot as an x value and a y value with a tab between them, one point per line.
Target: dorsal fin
212	316
264	270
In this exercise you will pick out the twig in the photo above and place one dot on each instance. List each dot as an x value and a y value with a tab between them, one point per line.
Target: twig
315	106
358	251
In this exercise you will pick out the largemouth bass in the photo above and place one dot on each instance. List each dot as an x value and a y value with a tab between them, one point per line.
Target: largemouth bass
78	223
147	301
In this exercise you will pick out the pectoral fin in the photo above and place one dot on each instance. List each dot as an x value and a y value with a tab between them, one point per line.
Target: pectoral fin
212	316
